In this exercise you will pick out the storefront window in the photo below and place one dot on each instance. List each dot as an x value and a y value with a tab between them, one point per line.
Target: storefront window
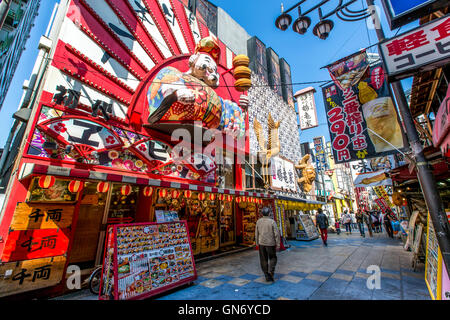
227	171
227	232
122	207
58	191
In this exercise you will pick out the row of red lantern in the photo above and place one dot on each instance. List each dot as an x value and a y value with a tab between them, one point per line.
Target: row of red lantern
75	185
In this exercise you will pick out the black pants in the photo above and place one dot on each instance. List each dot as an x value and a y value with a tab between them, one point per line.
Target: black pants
389	230
268	259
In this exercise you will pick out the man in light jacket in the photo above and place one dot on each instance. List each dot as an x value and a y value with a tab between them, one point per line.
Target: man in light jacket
267	238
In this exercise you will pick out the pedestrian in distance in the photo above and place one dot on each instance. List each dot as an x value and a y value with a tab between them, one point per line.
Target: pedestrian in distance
347	219
368	222
267	238
322	223
337	225
360	222
353	219
388	225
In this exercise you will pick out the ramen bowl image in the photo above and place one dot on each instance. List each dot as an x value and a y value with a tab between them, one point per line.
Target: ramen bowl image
381	118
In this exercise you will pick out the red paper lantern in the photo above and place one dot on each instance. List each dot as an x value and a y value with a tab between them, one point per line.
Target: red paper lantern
163	193
238	199
103	186
74	186
221	197
46	182
148	191
175	193
188	194
201	196
229	198
125	190
212	197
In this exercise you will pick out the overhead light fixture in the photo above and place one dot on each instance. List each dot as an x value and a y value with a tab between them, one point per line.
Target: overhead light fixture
302	24
323	28
283	21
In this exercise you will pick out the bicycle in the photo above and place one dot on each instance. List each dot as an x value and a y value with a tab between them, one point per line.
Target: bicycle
94	280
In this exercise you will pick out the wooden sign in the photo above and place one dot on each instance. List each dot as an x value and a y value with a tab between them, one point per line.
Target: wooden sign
33	244
42	216
17	277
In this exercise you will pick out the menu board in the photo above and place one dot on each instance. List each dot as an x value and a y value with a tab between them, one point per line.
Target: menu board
249	224
432	261
148	258
309	229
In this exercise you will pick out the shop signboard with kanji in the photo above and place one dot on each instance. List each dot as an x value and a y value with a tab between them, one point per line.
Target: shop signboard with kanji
424	48
362	119
307	108
144	259
283	174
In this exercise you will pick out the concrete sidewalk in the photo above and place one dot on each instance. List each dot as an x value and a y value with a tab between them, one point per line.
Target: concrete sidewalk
307	270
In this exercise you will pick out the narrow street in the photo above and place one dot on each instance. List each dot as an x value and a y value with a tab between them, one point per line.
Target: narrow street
307	271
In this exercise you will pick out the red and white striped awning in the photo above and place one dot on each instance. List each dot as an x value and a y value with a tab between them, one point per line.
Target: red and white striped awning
29	169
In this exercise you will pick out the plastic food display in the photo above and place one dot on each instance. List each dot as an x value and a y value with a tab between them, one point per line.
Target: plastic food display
146	259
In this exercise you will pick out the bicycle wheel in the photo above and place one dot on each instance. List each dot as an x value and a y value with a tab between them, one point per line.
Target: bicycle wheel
94	281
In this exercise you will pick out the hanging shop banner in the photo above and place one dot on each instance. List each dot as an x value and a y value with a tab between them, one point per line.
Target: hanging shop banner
424	48
401	12
348	71
41	216
282	174
307	108
384	206
18	277
144	259
372	179
362	118
441	130
34	244
319	152
380	191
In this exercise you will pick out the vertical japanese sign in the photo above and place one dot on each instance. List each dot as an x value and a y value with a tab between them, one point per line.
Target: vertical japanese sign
362	119
307	108
319	151
423	48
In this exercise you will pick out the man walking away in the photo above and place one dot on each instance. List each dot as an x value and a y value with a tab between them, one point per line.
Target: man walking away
347	222
368	222
360	222
267	238
388	225
322	223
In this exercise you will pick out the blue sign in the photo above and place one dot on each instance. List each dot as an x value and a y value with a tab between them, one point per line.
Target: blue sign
401	12
403	6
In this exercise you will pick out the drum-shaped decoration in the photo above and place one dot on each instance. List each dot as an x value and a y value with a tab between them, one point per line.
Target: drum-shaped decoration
125	190
148	191
175	193
74	186
102	187
46	182
212	196
187	194
163	193
201	196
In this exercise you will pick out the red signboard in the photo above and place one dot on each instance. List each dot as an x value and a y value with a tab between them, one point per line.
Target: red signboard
34	244
441	130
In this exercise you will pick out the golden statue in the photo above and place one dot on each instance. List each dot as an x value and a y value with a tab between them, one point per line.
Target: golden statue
308	173
269	149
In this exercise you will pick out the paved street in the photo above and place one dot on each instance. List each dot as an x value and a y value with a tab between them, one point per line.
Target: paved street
307	270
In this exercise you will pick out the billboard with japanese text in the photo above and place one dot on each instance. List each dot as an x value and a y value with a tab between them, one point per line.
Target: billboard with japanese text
362	119
424	48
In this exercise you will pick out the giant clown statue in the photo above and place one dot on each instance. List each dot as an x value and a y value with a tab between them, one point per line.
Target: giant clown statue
176	97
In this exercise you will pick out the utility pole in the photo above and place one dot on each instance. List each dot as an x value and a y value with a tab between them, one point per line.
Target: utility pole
424	171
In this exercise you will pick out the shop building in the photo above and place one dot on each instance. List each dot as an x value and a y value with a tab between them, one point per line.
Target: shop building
98	148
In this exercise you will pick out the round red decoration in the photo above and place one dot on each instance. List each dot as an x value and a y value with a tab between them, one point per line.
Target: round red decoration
103	186
212	196
148	191
74	186
201	196
163	193
46	182
175	193
188	193
125	190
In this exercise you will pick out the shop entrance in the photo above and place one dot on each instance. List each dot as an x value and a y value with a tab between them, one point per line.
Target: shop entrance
87	232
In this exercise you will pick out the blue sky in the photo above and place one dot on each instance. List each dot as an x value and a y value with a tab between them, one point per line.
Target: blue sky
306	54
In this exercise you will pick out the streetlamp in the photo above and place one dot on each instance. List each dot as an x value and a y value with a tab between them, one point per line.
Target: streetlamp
323	28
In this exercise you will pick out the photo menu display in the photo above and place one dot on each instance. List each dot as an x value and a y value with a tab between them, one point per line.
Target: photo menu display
151	258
